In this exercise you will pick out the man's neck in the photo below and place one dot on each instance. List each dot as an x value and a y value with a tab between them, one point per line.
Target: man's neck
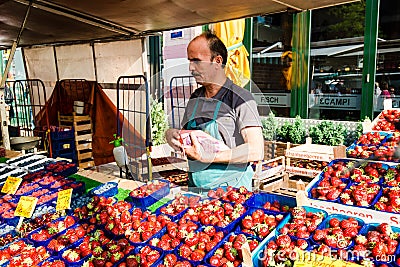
213	88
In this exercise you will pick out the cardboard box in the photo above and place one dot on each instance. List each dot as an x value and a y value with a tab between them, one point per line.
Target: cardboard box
209	143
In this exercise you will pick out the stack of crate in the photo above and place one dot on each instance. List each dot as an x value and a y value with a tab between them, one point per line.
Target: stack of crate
63	144
82	126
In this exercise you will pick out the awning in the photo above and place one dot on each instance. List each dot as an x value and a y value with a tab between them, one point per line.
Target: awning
380	51
326	51
59	21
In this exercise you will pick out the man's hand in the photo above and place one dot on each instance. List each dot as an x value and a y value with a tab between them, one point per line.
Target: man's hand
196	151
172	136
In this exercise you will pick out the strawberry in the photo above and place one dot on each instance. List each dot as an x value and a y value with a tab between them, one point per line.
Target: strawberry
283	240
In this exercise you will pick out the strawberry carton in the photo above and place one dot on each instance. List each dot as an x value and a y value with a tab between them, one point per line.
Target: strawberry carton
52	262
386	121
171	236
177	207
77	254
337	231
379	242
271	201
143	255
361	195
278	250
208	143
44	234
198	244
301	222
229	250
389	201
392	177
171	259
259	223
149	193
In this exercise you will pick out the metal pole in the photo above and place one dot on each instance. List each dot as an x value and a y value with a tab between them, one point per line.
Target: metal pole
3	115
369	64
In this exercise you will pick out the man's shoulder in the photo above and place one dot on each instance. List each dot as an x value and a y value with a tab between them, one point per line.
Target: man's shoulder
239	93
198	92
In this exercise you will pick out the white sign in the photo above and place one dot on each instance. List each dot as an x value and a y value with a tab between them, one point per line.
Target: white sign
272	99
333	101
379	102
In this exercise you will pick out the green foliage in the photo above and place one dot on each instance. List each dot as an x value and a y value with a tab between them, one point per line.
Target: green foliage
354	135
292	132
159	123
350	17
328	133
269	125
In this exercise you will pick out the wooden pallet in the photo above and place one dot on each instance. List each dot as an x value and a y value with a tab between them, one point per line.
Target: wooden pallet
83	129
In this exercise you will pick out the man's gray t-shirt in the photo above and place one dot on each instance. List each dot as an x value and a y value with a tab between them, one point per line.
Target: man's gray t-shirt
238	110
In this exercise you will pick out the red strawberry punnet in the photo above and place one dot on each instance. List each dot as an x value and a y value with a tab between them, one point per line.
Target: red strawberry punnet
280	251
260	223
381	241
390	200
333	181
362	194
230	252
303	223
337	237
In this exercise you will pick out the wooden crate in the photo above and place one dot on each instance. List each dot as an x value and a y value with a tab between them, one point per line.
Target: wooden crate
269	168
283	185
274	149
83	128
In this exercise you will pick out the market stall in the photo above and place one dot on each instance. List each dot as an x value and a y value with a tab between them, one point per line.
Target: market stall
348	215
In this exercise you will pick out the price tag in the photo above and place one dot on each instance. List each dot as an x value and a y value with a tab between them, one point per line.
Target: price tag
66	146
311	259
26	206
247	261
11	185
64	199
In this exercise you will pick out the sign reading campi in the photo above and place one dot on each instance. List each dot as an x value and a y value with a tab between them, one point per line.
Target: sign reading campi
274	100
329	101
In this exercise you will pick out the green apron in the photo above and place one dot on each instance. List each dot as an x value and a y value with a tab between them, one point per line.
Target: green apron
210	176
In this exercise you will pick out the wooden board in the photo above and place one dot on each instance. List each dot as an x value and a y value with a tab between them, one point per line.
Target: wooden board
86	155
84	137
12	153
84	146
84	127
85	165
317	152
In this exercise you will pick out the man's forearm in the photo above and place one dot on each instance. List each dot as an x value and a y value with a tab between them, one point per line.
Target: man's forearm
240	154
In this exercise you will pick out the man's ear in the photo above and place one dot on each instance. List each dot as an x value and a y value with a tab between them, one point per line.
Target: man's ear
218	60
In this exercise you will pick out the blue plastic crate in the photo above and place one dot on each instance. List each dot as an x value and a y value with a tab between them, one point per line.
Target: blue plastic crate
147	201
100	191
73	168
62	144
66	154
258	200
59	135
382	134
